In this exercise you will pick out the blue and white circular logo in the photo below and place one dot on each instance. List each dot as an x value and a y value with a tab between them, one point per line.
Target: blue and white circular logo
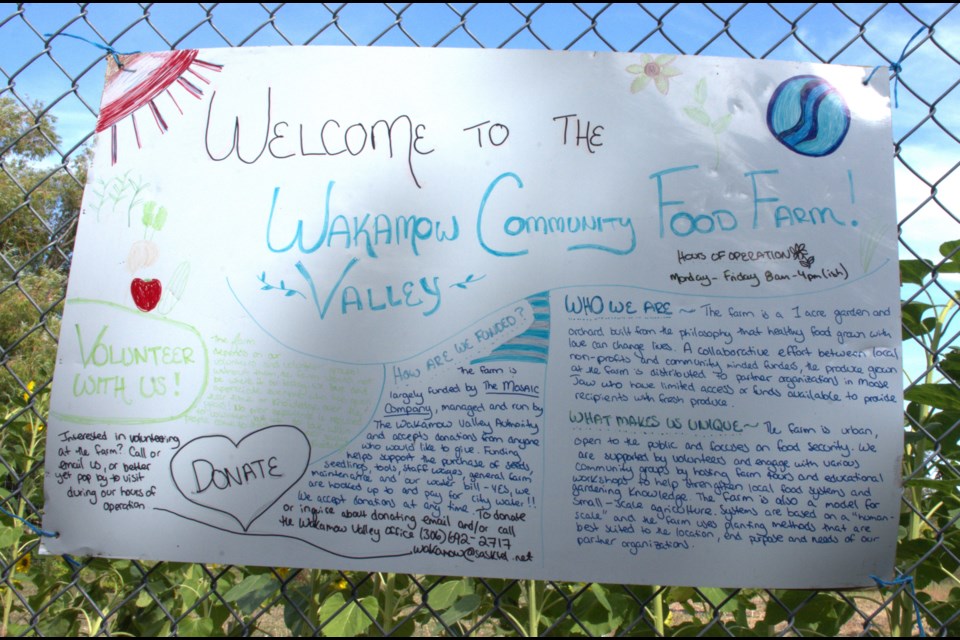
808	115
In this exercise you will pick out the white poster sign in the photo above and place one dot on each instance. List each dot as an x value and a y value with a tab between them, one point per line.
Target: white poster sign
577	316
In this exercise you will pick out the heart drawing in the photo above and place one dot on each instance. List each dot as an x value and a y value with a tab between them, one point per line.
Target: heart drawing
241	479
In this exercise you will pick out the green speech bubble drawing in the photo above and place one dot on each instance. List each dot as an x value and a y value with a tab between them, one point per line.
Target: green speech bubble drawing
119	365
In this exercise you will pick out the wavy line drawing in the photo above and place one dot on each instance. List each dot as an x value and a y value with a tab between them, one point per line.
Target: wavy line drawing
869	241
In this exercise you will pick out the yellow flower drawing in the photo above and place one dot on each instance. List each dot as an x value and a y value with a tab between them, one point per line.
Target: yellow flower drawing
657	69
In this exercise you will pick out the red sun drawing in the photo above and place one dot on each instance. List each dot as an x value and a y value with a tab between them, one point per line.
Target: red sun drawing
142	79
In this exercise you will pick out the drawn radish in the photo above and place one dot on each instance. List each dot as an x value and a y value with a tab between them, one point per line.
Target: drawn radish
143	253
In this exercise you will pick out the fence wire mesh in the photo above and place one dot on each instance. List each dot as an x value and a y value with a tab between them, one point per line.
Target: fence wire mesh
49	92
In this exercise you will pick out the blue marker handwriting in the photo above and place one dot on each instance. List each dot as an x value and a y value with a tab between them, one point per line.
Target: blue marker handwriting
368	232
675	221
613	234
344	297
504	232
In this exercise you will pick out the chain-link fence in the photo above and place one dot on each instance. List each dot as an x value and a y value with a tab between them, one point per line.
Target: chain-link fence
50	78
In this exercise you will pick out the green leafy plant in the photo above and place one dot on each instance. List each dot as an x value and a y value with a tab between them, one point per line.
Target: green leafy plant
928	536
698	113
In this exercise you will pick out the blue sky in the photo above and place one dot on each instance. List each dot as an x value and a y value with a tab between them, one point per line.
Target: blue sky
930	73
693	28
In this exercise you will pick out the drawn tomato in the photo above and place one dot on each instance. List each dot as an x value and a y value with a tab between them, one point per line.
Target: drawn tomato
146	293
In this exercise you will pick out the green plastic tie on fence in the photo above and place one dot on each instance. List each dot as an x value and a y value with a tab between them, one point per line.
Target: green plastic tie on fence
896	68
908	581
116	54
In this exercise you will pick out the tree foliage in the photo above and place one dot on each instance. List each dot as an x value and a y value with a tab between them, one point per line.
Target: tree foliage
30	311
39	201
39	196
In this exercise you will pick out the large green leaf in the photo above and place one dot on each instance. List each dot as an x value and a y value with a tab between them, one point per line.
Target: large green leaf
144	599
347	619
593	613
444	595
951	250
8	535
50	625
680	594
910	552
941	396
251	591
461	608
296	608
600	592
152	622
717	596
913	321
944	609
823	613
950	364
948	486
914	271
943	429
195	627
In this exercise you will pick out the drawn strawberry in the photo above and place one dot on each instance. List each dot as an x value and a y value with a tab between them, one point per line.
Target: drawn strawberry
146	293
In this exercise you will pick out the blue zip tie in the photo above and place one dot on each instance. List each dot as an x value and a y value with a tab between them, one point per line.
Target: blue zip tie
905	580
116	54
896	68
37	530
45	534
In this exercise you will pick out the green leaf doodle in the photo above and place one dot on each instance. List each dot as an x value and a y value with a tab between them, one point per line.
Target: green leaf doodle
700	92
720	124
698	113
148	213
